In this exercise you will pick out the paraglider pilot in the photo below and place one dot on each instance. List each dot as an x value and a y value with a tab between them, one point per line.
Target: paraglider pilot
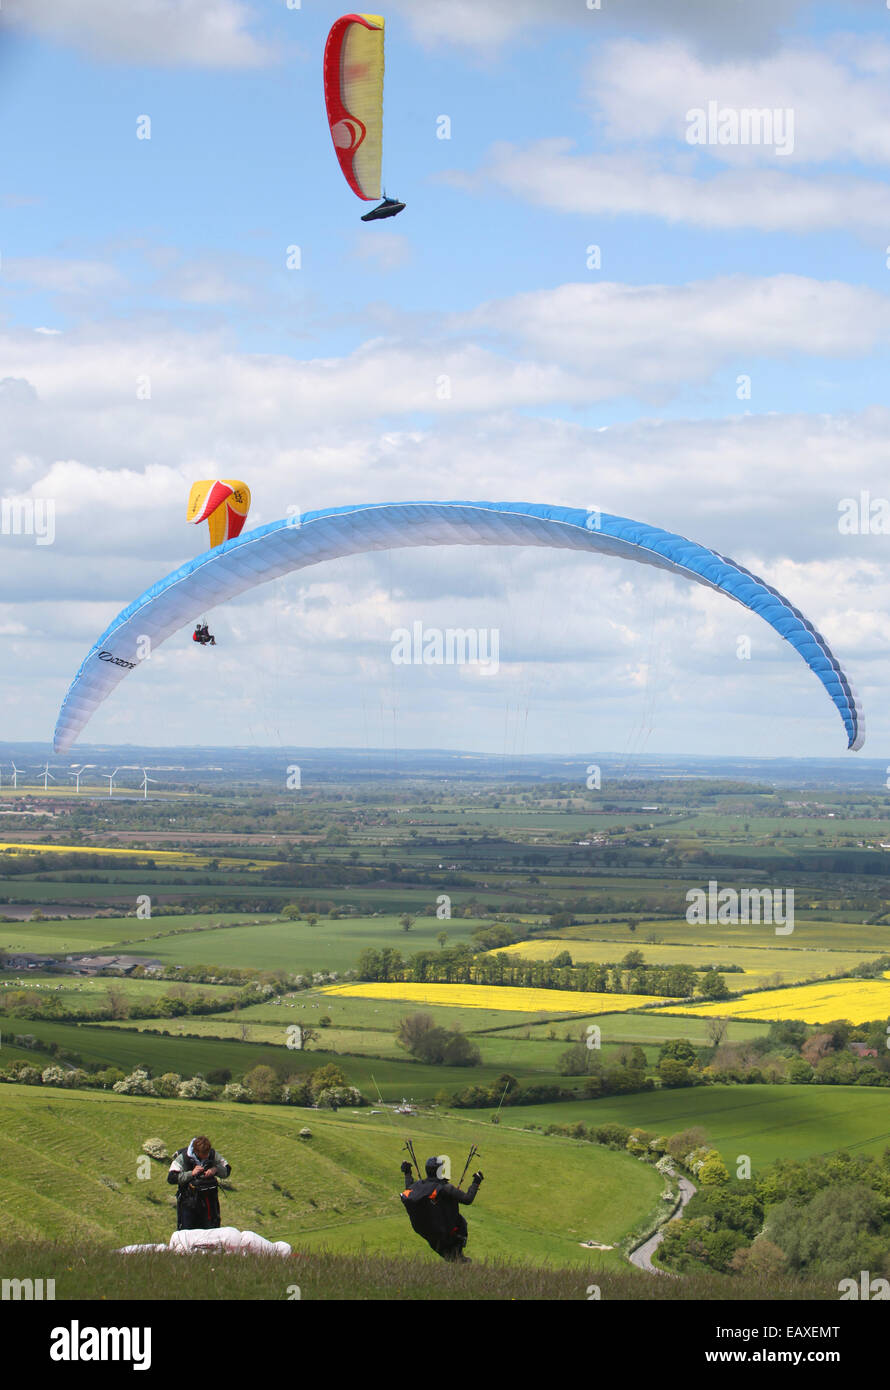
433	1208
194	1172
203	635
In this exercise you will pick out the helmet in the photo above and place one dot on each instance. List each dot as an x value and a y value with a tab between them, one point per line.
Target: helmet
432	1167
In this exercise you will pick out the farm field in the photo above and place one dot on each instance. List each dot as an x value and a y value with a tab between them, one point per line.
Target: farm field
765	1122
337	1191
191	1047
297	946
647	1029
75	935
512	869
509	1053
809	933
346	1011
760	964
169	858
489	996
859	1001
91	992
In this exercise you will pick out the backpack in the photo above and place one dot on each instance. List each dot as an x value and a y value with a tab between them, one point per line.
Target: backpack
428	1216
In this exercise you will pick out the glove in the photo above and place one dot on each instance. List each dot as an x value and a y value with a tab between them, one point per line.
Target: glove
477	1178
406	1168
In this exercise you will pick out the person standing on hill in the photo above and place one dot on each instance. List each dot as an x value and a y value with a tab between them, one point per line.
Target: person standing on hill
433	1208
194	1172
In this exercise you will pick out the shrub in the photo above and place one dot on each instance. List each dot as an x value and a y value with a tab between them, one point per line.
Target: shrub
138	1083
195	1088
235	1091
167	1085
332	1097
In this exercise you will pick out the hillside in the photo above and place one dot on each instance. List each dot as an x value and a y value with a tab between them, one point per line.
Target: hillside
70	1172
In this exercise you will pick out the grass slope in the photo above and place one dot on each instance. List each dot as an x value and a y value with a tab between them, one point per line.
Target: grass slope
70	1166
765	1122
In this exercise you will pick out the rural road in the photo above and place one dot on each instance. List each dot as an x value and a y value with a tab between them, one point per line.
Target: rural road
642	1256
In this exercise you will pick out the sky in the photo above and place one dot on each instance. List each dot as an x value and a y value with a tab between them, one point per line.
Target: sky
587	302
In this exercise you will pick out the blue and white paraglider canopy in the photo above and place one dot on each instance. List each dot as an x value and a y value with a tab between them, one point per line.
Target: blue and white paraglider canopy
270	551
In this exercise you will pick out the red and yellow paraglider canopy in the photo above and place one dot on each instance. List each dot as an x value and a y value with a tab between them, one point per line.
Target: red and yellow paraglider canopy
223	503
353	90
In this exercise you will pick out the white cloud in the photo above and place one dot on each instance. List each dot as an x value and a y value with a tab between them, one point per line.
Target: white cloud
550	173
840	101
64	277
484	25
635	337
169	33
763	489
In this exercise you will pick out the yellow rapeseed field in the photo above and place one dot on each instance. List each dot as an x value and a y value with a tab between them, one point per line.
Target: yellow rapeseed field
509	997
186	859
36	848
858	1001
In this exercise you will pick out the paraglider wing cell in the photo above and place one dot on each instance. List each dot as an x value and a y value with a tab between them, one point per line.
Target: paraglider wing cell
353	89
280	547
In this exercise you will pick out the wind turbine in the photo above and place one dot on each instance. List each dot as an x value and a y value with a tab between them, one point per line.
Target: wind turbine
110	780
77	775
47	777
15	774
145	781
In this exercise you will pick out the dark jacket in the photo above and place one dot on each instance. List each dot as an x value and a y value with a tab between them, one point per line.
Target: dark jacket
197	1199
433	1209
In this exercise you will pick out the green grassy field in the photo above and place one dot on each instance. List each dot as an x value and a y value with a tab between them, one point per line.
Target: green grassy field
644	1028
765	1122
519	1057
133	1045
83	993
818	935
96	933
331	944
337	1191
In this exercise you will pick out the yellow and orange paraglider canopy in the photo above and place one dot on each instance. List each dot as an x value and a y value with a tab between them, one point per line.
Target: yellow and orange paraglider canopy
223	503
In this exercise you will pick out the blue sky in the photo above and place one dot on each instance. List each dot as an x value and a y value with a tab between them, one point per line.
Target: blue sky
614	387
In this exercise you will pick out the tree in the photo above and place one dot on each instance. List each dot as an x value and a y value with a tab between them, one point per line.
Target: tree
263	1084
195	1088
712	1171
838	1231
235	1091
573	1061
406	922
168	1084
412	1029
308	1034
326	1077
461	1052
712	985
138	1083
816	1047
442	937
118	1003
763	1260
685	1141
716	1029
680	1049
673	1073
